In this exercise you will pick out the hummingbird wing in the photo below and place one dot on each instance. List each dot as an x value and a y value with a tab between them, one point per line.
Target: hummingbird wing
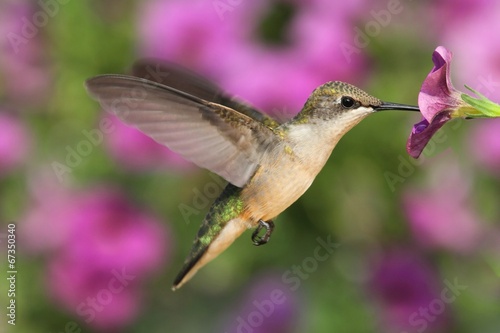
180	78
213	136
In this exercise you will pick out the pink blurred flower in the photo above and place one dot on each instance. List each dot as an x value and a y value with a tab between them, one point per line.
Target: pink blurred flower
100	247
441	216
484	145
227	44
268	307
474	40
455	12
442	222
118	234
21	58
45	228
137	151
14	143
189	32
103	299
404	284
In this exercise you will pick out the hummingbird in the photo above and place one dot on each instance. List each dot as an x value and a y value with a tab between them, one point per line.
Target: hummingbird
268	163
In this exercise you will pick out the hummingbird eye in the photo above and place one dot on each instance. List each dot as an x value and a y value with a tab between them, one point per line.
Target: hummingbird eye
347	101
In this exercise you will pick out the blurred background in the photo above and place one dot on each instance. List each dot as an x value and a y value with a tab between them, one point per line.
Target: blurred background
104	217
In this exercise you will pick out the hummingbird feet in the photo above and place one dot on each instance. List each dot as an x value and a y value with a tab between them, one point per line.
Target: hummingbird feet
258	240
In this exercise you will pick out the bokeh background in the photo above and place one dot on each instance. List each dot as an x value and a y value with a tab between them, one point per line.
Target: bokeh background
105	217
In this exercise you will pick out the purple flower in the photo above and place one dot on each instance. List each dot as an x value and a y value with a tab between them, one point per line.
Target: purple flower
437	93
136	151
403	283
423	131
268	307
100	249
438	100
14	143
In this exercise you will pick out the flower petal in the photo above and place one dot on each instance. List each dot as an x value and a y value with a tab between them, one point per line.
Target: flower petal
437	92
423	131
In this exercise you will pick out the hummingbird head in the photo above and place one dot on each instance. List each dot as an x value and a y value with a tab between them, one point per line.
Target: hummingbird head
344	104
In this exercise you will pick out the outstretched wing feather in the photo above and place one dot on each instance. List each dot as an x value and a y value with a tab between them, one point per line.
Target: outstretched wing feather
211	135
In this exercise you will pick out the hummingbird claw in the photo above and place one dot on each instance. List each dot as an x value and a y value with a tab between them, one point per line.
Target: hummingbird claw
256	239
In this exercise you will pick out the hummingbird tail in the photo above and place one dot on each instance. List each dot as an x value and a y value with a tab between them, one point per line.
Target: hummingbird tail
202	254
223	224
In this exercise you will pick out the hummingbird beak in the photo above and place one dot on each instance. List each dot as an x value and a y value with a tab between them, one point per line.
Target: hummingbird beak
395	106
